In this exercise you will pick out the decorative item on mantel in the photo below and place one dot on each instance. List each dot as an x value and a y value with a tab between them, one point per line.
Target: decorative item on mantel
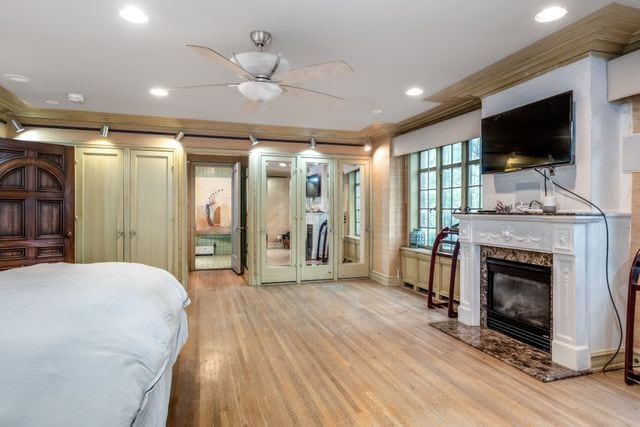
416	238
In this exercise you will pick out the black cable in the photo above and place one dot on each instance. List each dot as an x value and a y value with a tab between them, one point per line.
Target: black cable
606	226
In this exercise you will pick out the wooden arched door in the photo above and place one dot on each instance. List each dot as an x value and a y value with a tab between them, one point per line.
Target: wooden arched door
36	203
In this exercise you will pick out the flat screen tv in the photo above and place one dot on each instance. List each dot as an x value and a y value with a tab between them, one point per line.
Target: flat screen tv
539	134
313	185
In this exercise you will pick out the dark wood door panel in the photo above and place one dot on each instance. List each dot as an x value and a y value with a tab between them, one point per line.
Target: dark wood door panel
36	203
12	219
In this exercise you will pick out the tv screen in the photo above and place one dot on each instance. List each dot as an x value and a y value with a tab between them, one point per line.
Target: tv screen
313	185
534	135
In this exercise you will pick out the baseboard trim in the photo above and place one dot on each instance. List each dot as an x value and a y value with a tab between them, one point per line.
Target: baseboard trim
384	279
599	358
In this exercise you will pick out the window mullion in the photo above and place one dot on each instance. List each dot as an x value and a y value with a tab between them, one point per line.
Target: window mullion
465	175
438	209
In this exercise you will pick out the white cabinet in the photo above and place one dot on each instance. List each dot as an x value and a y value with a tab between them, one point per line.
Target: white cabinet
125	206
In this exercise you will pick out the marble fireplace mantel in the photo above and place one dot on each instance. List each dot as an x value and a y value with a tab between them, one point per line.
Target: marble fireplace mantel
577	245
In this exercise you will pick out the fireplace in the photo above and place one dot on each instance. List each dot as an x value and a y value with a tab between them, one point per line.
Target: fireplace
519	301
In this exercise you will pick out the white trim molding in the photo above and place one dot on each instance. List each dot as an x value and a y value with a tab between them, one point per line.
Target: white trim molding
583	326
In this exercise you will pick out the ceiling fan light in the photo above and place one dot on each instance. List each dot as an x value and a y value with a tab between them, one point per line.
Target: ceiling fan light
259	91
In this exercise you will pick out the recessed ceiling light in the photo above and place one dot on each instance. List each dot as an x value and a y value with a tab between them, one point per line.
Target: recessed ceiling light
76	97
52	102
158	91
134	14
551	14
377	111
414	91
16	77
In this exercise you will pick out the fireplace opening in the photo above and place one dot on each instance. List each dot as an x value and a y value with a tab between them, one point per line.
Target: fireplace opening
519	301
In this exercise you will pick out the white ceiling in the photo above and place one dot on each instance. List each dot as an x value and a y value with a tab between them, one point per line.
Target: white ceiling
84	46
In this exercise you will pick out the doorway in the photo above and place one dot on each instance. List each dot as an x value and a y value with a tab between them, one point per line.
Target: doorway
217	215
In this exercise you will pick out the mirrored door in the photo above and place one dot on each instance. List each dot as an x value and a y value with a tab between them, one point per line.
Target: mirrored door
316	252
279	203
353	228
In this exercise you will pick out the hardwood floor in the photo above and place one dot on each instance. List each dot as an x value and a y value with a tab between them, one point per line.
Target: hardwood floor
358	353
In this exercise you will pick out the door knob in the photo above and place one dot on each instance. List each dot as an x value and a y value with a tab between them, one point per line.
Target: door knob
120	233
69	234
132	234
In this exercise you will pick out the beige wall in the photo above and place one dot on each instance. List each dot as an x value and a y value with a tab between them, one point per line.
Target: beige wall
3	130
388	204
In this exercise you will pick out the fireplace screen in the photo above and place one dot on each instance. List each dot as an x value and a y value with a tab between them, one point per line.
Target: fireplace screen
519	301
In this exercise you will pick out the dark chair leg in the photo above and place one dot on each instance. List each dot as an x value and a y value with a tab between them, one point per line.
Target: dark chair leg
434	254
452	282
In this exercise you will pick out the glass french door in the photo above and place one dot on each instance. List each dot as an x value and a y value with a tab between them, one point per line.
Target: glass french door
353	228
315	219
279	218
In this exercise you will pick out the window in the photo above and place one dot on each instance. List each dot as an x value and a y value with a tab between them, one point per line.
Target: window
448	179
356	198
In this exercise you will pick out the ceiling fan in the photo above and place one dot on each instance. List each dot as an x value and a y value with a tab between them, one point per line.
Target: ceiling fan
266	75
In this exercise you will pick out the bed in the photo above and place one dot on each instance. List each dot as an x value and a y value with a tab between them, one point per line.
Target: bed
88	344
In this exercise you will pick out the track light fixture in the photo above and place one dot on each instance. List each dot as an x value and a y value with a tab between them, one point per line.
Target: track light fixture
367	145
253	139
179	135
17	125
313	143
104	130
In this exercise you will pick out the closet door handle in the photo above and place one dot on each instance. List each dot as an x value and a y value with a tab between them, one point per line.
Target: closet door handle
132	234
120	233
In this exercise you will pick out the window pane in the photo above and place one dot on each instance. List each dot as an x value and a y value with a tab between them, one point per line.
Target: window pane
431	237
474	174
446	198
432	198
446	178
357	177
432	218
474	149
432	158
423	199
446	218
424	179
424	159
457	177
474	197
456	198
457	152
423	217
446	155
432	180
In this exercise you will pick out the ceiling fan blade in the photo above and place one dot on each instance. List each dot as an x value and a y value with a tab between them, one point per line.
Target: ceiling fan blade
250	107
315	72
312	96
203	85
222	60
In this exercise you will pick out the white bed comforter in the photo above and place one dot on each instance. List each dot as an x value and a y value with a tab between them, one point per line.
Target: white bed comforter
83	345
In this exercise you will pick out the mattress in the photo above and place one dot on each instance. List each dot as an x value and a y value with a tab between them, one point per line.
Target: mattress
88	344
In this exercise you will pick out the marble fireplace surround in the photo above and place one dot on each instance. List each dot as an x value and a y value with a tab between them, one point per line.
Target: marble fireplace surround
575	259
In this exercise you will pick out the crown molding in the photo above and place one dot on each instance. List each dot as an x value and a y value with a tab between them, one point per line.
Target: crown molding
606	32
139	123
10	104
611	31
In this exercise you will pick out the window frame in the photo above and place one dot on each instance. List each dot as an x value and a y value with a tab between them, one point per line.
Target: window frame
418	168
